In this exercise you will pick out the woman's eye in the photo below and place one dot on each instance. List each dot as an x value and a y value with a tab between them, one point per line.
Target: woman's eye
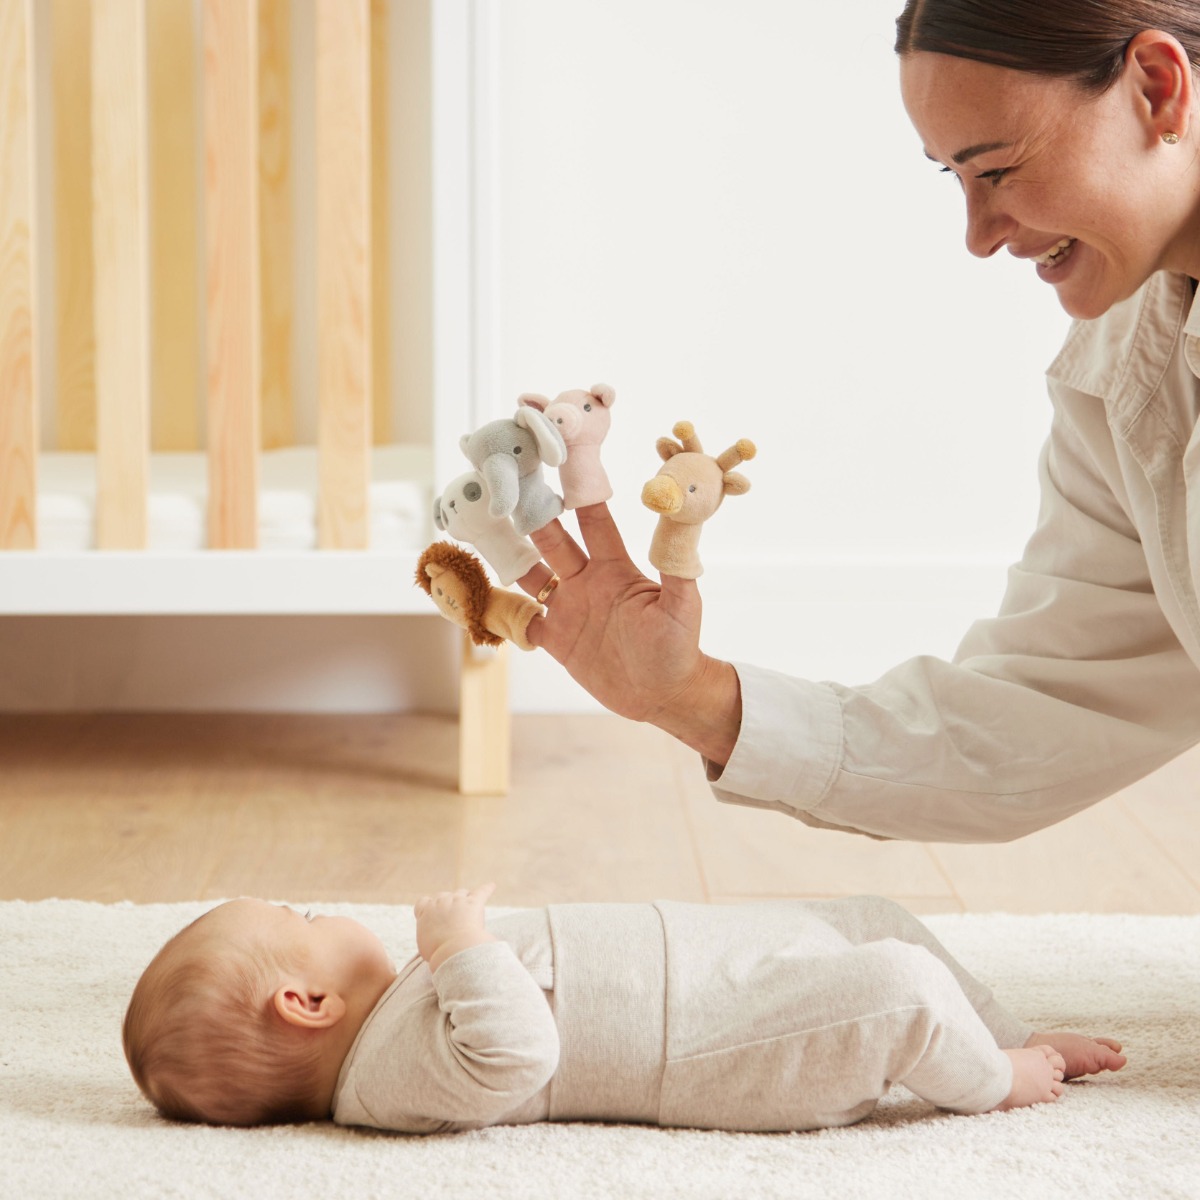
994	177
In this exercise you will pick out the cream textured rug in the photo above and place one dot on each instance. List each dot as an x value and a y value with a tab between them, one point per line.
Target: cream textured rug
72	1124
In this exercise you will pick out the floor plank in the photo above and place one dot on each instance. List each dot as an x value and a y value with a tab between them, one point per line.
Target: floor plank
364	808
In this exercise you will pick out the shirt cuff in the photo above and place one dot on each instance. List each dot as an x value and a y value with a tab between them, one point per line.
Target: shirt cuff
789	747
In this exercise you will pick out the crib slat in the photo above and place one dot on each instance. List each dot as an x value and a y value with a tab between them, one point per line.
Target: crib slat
120	235
343	100
18	401
381	344
233	313
174	127
276	220
74	315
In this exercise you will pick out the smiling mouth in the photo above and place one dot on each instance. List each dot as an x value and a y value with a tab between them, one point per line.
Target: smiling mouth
1056	254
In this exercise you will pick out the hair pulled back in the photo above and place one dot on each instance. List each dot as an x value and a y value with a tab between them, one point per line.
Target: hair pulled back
1082	40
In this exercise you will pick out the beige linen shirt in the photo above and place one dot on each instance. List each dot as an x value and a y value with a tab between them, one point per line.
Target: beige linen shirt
1086	679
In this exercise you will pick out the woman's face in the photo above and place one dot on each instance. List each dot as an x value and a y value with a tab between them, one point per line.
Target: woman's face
1079	184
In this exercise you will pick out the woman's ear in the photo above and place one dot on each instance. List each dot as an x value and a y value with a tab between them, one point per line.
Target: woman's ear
1161	72
310	1010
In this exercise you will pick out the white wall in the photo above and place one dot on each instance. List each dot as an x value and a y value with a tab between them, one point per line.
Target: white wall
722	211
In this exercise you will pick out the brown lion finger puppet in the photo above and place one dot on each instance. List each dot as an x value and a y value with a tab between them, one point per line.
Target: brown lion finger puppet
456	582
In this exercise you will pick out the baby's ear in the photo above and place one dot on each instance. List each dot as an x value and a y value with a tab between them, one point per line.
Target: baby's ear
310	1010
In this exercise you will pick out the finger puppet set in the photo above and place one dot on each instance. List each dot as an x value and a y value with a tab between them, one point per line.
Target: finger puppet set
505	497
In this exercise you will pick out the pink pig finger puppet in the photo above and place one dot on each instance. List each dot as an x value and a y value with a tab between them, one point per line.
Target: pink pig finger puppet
464	512
583	419
687	490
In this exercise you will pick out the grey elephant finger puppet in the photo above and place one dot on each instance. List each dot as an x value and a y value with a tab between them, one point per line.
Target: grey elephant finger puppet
456	582
509	454
465	511
583	419
687	490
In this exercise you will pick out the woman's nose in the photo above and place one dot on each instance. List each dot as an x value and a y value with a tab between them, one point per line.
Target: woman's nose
988	226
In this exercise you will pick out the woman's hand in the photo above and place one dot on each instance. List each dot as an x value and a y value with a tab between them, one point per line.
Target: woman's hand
632	643
448	922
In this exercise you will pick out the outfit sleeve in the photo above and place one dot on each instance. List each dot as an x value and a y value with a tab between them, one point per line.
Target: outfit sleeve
1076	688
486	1046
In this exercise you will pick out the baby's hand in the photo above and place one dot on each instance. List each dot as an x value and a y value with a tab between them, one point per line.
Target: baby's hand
448	922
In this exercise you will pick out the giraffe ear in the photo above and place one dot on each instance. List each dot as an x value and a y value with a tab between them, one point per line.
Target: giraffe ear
736	484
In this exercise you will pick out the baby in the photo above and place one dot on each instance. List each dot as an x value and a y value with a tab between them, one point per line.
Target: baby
784	1015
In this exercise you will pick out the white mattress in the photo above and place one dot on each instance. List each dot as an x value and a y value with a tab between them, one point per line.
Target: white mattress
401	500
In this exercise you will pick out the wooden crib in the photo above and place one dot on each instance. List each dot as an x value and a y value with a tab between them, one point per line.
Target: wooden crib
156	221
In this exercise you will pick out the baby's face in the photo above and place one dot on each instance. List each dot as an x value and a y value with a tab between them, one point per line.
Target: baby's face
339	952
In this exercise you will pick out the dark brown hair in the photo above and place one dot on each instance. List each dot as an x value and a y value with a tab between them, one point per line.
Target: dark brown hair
1083	40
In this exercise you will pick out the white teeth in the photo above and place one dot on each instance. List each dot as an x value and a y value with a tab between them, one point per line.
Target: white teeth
1055	253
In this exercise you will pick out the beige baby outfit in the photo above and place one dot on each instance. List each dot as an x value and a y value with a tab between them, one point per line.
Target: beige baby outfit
779	1016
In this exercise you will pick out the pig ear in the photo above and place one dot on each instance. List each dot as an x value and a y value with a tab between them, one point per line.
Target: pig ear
533	400
604	394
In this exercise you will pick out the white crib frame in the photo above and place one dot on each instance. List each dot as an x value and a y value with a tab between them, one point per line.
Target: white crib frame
121	578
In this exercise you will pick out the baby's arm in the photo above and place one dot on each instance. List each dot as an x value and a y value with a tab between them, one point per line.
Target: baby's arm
494	1043
451	921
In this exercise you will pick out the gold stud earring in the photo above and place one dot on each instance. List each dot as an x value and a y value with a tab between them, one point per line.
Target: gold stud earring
1170	137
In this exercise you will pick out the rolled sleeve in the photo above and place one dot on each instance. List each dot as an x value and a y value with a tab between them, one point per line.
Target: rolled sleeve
789	748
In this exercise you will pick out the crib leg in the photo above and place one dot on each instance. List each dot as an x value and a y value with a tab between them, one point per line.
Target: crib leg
484	724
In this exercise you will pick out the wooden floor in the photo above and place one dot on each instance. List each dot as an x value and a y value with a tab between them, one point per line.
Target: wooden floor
300	808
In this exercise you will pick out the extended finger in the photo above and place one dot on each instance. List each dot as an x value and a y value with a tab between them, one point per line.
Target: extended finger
536	581
600	533
482	892
559	549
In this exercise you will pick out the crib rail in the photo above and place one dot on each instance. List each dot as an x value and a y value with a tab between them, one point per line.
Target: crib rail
18	415
127	253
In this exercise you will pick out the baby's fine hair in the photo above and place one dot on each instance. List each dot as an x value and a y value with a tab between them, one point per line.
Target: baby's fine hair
204	1042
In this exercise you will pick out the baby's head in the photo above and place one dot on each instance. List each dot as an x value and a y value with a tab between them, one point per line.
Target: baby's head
241	1018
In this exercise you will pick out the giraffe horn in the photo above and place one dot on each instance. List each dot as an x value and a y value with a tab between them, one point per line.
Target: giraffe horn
743	450
685	431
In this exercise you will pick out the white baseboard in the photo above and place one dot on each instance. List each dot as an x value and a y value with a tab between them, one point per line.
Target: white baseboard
848	619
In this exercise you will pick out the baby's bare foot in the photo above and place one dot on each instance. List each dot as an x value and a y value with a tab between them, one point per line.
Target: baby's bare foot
1037	1077
1083	1055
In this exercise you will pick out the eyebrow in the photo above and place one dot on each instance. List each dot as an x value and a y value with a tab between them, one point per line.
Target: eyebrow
971	151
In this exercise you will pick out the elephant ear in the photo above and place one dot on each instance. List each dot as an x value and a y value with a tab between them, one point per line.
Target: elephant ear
552	450
437	514
533	400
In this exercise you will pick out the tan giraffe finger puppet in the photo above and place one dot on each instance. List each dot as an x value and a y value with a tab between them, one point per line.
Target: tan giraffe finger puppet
454	579
687	490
